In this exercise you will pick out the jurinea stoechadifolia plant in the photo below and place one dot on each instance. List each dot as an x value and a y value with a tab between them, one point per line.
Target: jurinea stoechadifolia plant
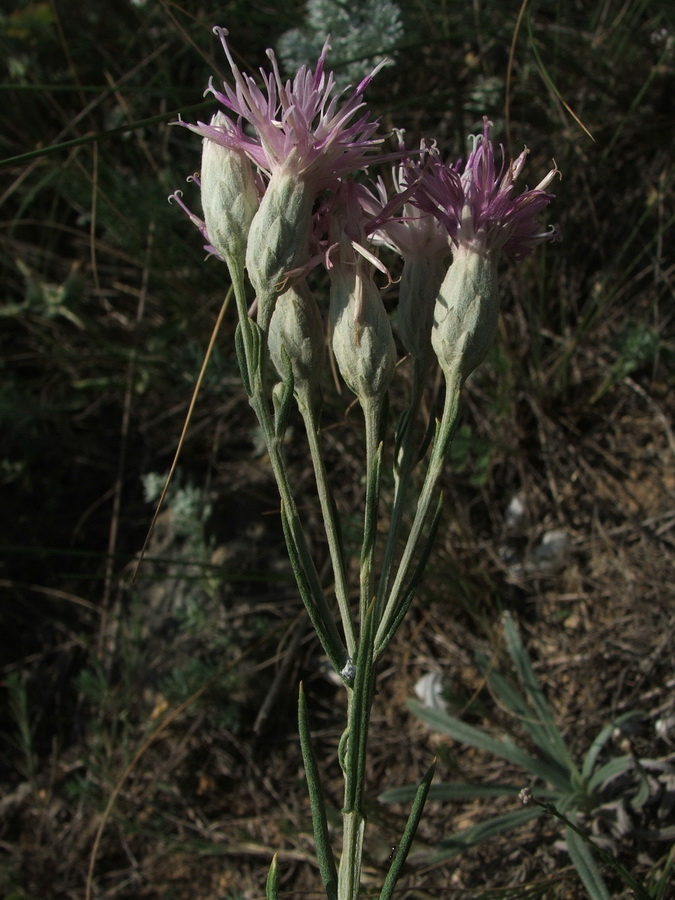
279	195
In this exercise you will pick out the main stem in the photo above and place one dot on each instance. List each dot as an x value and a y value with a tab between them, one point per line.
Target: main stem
360	697
355	741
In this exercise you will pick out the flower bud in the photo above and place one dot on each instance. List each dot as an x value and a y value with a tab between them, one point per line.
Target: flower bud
362	340
229	195
421	279
466	313
296	336
279	237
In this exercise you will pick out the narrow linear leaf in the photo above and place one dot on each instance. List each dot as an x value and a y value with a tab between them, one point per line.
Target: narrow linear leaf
595	749
454	791
513	700
408	596
429	432
603	736
581	856
459	842
548	81
408	836
304	567
257	351
402	426
94	137
505	749
324	853
272	884
658	887
240	348
372	497
644	791
358	733
517	652
611	769
315	604
582	849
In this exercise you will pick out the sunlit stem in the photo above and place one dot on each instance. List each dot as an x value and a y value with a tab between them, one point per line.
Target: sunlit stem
328	511
403	467
256	358
426	502
353	760
372	411
349	871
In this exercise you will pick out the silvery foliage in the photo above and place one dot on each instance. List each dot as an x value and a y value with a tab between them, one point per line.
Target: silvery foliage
360	36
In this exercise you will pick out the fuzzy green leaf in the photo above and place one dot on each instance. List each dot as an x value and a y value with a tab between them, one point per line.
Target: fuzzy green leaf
581	856
272	884
453	791
324	853
408	836
603	736
407	599
504	748
459	842
546	722
313	598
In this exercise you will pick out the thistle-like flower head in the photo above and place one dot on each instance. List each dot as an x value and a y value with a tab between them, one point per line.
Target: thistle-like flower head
418	237
304	126
478	203
396	221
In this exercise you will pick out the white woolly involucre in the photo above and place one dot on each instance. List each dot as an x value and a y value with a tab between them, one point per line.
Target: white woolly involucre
296	338
278	238
363	343
229	196
466	313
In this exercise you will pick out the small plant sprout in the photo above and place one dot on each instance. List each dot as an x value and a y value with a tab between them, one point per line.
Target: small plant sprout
283	186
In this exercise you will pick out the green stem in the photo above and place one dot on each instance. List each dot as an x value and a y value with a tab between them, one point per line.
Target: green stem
403	467
372	411
425	503
255	364
235	266
328	512
359	704
349	872
360	698
327	630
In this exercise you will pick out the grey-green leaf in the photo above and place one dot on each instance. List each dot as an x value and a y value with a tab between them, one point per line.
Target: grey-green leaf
581	856
324	853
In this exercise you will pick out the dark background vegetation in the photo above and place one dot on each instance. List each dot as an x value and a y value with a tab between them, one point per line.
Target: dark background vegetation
140	708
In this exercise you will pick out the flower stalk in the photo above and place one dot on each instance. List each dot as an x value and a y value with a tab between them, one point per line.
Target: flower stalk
332	527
